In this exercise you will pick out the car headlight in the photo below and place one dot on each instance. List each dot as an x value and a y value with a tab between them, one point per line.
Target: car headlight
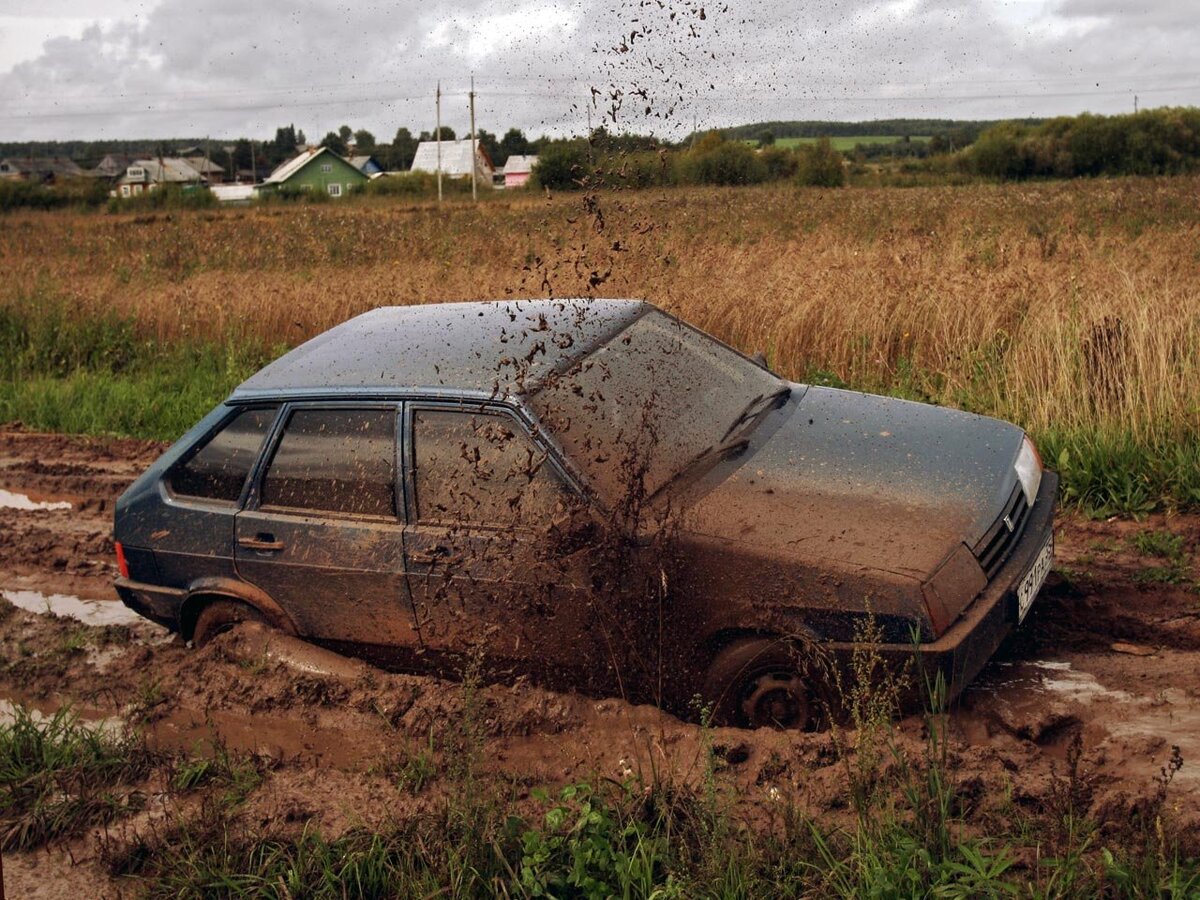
1029	470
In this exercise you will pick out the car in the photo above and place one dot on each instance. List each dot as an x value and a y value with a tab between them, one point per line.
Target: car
597	495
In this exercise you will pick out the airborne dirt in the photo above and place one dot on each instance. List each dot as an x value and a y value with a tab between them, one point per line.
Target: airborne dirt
1110	656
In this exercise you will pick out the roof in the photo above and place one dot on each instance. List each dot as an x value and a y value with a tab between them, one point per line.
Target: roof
286	170
456	158
519	165
113	165
365	161
487	348
169	169
43	165
203	165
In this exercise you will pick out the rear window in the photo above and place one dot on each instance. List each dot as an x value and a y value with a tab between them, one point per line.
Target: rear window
218	469
335	460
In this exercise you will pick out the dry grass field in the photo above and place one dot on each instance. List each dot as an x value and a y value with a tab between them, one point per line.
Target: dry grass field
1072	308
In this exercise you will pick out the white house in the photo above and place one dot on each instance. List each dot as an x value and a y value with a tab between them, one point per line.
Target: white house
456	160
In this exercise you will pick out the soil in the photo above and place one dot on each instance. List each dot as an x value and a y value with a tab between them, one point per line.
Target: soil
1109	656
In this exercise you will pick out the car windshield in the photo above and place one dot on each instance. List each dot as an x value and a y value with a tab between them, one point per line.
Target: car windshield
649	401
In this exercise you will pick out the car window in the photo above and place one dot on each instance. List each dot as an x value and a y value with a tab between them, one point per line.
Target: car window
481	469
335	460
218	469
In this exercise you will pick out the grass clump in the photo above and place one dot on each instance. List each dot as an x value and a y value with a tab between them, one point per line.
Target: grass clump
59	776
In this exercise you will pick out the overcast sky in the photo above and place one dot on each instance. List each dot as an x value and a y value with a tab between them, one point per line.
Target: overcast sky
163	68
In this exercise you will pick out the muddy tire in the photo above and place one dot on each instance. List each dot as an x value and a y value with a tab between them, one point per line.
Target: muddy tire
762	683
220	616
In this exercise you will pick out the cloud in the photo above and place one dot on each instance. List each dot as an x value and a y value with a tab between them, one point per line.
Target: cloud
227	67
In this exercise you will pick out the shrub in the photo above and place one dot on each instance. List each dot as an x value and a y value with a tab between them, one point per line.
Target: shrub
721	162
165	196
562	166
820	165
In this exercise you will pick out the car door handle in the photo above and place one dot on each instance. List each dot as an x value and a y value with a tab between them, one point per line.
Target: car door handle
433	555
262	542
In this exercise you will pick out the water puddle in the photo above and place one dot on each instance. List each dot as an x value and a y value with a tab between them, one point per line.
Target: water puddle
90	612
28	502
1030	699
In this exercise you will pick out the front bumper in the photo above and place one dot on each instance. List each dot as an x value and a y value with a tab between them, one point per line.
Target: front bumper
965	648
158	604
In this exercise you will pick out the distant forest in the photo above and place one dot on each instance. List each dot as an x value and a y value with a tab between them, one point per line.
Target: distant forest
878	127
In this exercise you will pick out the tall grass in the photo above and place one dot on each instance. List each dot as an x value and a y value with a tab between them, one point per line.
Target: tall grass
1072	309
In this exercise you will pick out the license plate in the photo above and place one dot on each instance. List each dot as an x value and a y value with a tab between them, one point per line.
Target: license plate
1034	578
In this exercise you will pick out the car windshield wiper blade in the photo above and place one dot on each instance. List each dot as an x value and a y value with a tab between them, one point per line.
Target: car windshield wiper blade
760	403
711	455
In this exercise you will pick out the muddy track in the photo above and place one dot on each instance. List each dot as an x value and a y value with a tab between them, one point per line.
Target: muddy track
1111	653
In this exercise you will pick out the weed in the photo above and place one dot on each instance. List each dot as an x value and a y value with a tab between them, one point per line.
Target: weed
1163	544
58	776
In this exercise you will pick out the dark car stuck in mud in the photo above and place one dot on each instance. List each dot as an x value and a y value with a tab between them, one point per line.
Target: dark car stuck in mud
594	494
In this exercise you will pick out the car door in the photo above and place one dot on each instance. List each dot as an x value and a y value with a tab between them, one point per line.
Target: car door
322	533
487	567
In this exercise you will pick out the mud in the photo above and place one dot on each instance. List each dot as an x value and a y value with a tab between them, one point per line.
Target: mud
1107	654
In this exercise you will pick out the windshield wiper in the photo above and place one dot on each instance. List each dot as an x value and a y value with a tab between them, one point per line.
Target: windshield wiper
760	403
710	456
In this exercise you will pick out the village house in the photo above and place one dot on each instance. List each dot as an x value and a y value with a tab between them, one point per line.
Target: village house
112	167
44	169
315	170
368	165
147	174
517	170
456	160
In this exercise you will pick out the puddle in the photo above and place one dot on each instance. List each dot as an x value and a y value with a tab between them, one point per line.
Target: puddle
90	612
1025	697
28	503
279	738
42	711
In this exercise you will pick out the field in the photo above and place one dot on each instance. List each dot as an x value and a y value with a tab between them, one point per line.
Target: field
846	144
259	766
1069	308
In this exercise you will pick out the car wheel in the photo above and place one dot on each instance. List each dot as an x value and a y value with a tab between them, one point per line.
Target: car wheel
761	683
220	616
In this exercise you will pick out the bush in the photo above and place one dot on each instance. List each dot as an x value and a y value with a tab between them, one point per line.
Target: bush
1152	142
820	165
165	196
81	192
562	166
413	184
717	161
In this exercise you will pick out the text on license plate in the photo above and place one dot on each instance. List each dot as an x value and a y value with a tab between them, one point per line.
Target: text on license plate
1034	578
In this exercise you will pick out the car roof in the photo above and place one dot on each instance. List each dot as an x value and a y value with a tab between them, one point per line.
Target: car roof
488	348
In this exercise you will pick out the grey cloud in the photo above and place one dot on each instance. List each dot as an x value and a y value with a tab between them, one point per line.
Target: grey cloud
228	67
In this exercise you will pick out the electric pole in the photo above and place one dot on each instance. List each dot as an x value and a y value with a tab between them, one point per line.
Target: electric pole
438	136
1135	109
474	161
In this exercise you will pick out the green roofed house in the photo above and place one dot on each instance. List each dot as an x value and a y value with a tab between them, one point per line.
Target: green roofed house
319	169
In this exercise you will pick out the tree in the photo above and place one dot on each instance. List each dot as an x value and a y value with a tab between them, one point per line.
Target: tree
821	165
447	134
514	143
345	133
364	141
766	138
242	158
562	165
490	145
400	154
334	142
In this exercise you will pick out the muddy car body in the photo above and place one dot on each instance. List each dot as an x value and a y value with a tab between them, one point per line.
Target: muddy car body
596	494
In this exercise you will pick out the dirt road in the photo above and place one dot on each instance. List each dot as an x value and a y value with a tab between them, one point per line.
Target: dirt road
1111	653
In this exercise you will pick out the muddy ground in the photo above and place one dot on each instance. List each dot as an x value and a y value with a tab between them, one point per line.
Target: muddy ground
1111	653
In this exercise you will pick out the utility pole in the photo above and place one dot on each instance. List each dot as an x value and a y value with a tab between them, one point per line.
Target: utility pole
474	162
438	136
1135	109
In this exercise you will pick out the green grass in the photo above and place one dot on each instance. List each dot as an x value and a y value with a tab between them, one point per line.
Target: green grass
60	372
60	775
846	144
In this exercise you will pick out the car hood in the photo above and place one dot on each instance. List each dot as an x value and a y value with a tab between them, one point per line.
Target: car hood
863	481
